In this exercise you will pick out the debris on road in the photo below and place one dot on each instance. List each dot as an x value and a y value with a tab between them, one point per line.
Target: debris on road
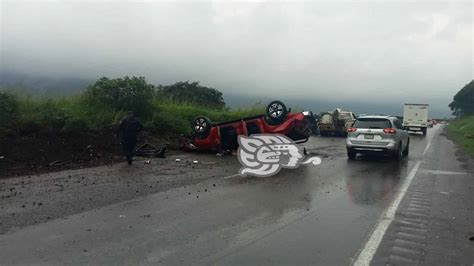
147	161
57	162
195	162
148	149
2	157
177	160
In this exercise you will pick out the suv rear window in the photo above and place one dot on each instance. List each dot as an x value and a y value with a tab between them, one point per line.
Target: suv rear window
372	123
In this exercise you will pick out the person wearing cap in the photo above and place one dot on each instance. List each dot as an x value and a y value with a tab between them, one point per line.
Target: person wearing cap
129	128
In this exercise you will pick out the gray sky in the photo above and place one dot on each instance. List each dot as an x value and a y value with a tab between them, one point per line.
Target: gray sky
358	51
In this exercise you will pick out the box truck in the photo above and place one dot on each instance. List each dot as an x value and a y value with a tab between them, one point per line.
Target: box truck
415	117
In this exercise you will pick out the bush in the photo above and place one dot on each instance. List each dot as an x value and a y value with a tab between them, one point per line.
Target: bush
75	125
461	131
42	115
167	124
194	94
176	118
8	109
106	102
121	94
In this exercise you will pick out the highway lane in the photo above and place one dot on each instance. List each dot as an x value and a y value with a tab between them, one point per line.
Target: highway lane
312	215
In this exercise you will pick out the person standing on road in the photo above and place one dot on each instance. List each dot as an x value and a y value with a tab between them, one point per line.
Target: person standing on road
129	128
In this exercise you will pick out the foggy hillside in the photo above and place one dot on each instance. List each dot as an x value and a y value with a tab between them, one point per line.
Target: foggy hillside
41	85
51	87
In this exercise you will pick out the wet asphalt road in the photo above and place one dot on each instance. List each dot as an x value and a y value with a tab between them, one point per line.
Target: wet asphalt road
312	215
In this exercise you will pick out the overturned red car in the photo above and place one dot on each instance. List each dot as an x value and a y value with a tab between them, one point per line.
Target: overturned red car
222	136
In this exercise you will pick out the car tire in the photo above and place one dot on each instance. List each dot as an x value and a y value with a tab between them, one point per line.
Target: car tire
351	154
398	155
201	126
407	149
276	111
423	130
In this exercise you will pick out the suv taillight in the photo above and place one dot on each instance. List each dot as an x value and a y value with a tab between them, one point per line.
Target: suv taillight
352	129
389	130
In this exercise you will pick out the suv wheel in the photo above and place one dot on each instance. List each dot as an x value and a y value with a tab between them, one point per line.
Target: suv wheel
351	154
407	149
398	155
202	126
276	111
423	130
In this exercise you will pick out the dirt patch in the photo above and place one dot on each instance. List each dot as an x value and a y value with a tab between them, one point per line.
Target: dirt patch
50	152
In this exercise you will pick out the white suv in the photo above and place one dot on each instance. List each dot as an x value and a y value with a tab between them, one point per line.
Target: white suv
377	135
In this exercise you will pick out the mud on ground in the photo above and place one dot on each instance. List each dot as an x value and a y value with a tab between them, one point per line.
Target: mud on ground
34	199
42	152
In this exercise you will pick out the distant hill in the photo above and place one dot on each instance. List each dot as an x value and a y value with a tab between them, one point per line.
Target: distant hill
437	110
51	87
42	86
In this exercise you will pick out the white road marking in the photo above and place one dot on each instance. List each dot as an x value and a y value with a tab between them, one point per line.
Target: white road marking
440	172
231	176
427	147
368	252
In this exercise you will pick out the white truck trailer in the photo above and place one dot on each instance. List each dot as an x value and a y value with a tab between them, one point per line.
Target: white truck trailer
415	117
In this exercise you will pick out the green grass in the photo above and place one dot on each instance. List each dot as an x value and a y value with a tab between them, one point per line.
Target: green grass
175	118
462	131
75	114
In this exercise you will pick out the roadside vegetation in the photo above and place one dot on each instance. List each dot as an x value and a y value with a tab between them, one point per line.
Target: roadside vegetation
164	110
461	129
44	134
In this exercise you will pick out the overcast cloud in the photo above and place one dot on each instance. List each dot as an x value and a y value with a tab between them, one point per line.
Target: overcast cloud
352	50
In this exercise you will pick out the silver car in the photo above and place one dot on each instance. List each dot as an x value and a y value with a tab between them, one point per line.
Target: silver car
377	135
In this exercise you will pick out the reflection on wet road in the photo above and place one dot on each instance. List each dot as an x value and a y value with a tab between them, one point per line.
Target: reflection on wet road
310	215
345	200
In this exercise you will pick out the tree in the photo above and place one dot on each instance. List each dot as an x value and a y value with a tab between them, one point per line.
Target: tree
122	94
463	101
193	93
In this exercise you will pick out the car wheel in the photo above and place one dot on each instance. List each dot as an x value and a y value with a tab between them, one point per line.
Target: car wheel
202	126
276	110
423	130
351	154
407	149
398	155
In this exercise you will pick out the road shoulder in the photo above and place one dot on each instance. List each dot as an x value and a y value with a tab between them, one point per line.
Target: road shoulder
435	221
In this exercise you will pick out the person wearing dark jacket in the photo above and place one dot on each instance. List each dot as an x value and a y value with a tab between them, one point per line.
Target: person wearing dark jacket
129	128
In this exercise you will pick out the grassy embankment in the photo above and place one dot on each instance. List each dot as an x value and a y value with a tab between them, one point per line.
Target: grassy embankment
36	132
74	115
461	131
